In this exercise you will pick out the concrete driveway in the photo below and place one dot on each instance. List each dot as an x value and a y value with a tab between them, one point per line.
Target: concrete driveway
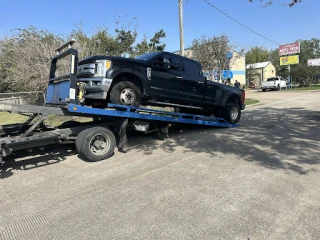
257	181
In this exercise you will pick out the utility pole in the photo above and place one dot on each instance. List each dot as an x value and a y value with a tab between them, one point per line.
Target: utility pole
181	27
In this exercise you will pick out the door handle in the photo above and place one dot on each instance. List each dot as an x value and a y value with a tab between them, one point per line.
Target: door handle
179	77
200	82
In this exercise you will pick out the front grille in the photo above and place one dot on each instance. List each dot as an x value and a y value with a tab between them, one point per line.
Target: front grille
87	69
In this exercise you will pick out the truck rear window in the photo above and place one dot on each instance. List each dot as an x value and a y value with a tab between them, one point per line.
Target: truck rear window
272	79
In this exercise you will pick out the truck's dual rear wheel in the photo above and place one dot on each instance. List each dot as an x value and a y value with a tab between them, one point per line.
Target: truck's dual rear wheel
95	144
231	112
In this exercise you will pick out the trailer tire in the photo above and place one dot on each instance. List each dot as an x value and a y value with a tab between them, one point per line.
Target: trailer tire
263	90
126	93
96	144
79	140
231	113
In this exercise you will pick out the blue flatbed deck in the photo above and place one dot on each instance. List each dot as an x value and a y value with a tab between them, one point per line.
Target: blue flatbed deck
122	111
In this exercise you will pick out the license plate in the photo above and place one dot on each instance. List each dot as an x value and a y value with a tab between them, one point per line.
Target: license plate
141	127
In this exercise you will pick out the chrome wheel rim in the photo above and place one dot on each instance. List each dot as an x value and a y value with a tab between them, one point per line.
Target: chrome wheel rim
99	144
127	96
234	113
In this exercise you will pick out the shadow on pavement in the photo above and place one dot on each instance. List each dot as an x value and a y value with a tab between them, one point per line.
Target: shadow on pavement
274	138
35	159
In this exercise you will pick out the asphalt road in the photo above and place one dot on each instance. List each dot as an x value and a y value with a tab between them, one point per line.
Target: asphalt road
257	181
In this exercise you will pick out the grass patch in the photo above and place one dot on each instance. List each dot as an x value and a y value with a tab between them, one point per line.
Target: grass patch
56	120
8	118
249	101
314	87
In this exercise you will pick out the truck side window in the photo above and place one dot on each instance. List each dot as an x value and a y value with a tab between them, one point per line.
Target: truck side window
191	68
159	62
174	62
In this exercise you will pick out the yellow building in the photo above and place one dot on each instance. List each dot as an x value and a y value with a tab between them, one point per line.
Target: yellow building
237	66
259	72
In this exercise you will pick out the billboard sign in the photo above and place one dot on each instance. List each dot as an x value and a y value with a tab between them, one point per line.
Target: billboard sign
289	49
313	62
289	60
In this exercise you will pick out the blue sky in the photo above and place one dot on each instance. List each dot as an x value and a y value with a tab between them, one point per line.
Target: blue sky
279	23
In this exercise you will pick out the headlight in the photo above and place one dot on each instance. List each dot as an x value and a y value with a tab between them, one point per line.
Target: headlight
108	64
99	68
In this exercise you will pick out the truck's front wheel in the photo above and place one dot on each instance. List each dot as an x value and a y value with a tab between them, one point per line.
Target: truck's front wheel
231	113
126	93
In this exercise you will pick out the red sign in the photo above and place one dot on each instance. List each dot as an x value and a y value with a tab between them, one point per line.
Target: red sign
289	49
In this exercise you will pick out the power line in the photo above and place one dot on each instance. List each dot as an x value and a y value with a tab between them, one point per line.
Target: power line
240	23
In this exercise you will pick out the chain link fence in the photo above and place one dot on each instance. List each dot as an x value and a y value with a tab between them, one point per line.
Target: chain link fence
29	98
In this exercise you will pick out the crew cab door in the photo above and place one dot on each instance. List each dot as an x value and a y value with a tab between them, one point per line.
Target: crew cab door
166	77
193	87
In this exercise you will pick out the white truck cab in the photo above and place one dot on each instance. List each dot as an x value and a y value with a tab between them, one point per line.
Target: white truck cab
274	83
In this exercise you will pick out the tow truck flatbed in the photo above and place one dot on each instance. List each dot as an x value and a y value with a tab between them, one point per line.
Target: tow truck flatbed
94	140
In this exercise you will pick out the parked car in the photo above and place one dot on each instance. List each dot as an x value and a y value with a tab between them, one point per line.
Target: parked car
274	83
158	78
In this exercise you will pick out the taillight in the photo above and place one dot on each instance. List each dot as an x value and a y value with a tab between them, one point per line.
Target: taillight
243	96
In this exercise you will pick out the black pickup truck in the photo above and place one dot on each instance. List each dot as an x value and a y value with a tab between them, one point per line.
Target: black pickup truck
158	78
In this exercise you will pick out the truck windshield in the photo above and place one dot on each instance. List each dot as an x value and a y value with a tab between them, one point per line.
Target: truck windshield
272	79
147	56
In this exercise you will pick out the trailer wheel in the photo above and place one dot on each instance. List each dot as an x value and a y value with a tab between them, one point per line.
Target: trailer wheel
96	143
126	93
231	113
79	140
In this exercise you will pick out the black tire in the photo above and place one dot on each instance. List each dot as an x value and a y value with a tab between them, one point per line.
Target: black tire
278	88
126	93
231	113
79	140
263	90
101	136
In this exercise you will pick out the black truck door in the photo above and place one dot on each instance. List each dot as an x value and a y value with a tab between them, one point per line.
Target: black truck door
166	77
193	81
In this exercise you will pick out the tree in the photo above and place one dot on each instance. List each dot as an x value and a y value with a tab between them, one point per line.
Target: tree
211	52
101	42
267	3
257	54
154	44
301	73
25	56
25	59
